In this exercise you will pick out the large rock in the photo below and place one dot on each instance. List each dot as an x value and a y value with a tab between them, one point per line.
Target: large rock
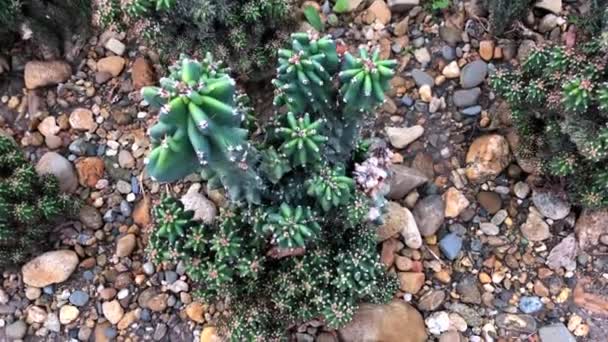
204	209
55	164
590	226
49	268
41	74
550	204
396	321
429	214
473	74
400	137
378	10
488	155
403	180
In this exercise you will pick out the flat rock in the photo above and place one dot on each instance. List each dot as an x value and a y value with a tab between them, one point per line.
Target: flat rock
550	204
422	78
423	56
49	268
535	228
473	74
487	157
490	201
68	314
556	332
403	180
48	126
520	323
466	97
399	220
57	165
41	74
377	322
590	226
112	65
401	137
429	214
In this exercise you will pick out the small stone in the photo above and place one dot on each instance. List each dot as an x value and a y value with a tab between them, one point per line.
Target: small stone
548	23
125	245
490	201
411	282
90	171
473	74
204	209
530	304
32	293
112	65
550	204
68	314
379	11
450	336
431	301
60	167
486	49
468	290
487	157
39	74
474	111
142	73
489	228
116	46
423	56
79	298
49	268
421	78
556	332
553	6
452	70
209	334
499	217
403	180
48	126
128	319
563	254
113	311
196	312
455	202
158	303
450	34
429	214
438	322
425	92
401	137
450	245
521	190
466	97
82	119
126	160
535	228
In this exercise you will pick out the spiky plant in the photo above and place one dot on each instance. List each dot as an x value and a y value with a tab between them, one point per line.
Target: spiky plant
558	100
243	33
298	241
29	205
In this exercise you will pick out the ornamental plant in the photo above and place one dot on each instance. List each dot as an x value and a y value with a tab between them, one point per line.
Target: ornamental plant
298	241
559	99
244	33
29	205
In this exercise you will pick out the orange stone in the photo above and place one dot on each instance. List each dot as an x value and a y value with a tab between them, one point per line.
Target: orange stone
90	170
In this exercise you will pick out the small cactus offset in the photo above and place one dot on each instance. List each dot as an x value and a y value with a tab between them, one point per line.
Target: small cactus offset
558	101
297	241
29	204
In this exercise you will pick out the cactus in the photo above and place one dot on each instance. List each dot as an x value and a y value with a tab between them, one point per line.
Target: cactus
297	241
29	205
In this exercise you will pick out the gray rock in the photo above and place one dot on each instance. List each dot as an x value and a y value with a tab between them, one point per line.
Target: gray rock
448	53
421	78
55	164
400	137
547	23
90	217
550	204
555	333
468	290
473	74
466	97
123	187
489	228
563	254
450	245
404	180
471	316
160	332
521	323
429	214
471	111
499	217
79	298
16	330
530	304
535	228
402	5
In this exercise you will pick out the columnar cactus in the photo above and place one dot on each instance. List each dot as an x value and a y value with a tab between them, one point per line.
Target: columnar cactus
298	240
29	204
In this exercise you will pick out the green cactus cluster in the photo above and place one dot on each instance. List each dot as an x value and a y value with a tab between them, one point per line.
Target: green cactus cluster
558	99
29	204
244	33
297	241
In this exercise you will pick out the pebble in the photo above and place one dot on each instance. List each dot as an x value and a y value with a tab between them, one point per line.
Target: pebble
113	311
16	330
473	74
425	92
429	214
452	70
550	204
471	111
521	190
489	229
467	97
438	322
125	245
422	55
116	46
57	165
450	245
422	78
49	268
79	298
555	333
530	304
401	137
68	314
535	229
